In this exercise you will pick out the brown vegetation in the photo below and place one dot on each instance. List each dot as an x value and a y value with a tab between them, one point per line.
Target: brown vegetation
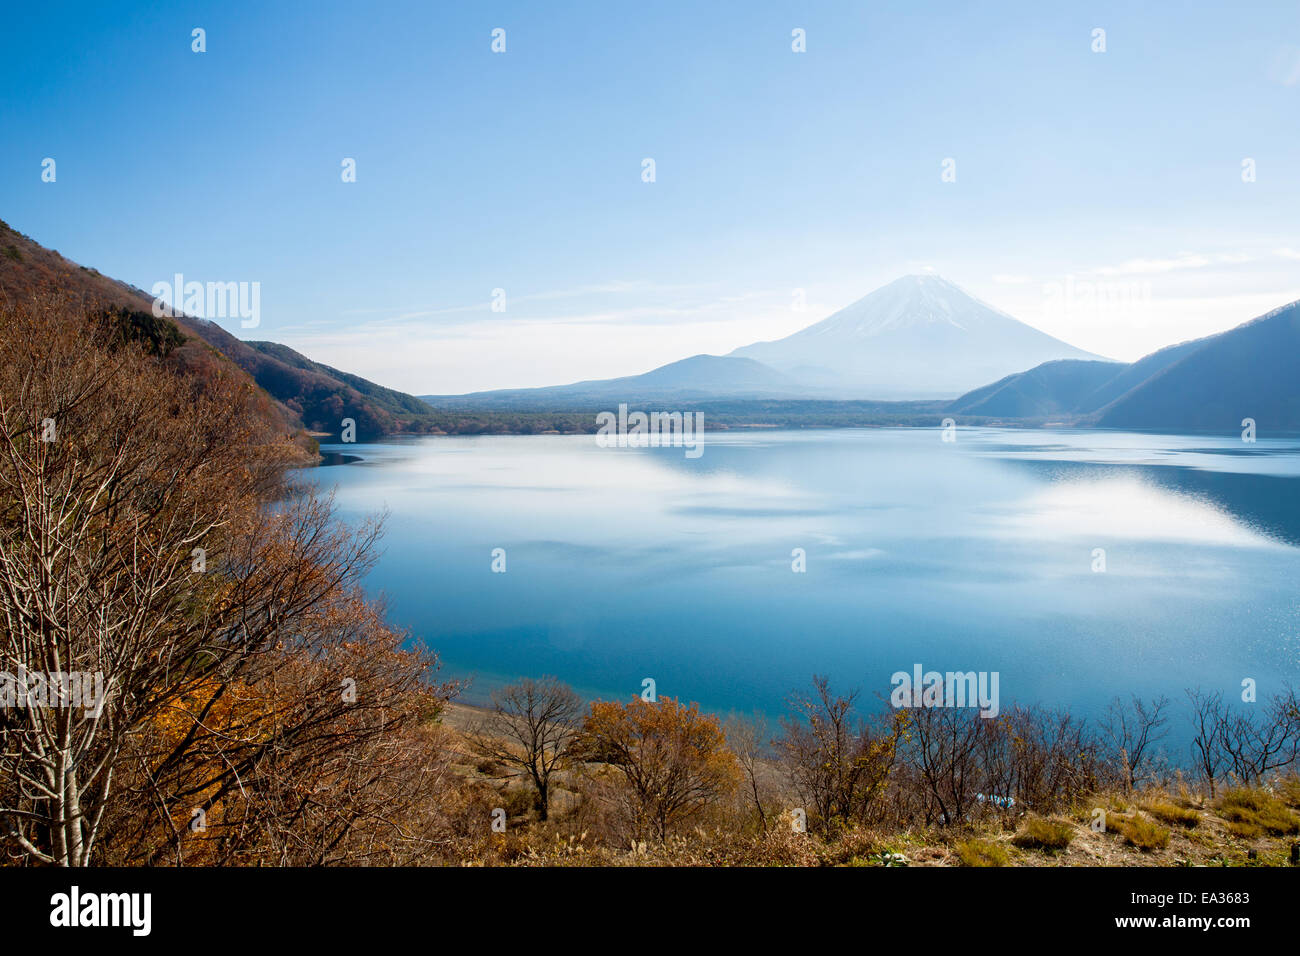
260	711
293	392
257	709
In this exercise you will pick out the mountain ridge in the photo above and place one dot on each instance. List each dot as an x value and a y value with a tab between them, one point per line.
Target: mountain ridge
300	395
692	378
919	336
1211	383
1208	384
928	316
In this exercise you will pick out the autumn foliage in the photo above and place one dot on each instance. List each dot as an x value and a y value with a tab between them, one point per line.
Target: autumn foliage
258	709
673	759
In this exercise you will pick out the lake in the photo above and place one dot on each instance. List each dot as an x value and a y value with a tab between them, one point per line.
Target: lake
979	554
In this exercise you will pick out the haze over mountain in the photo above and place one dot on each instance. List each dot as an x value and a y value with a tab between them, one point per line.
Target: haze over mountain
1251	371
1211	384
920	336
689	379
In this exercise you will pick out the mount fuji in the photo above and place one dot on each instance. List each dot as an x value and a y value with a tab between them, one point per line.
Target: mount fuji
920	336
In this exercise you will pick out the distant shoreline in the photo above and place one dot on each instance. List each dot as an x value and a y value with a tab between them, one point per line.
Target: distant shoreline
472	425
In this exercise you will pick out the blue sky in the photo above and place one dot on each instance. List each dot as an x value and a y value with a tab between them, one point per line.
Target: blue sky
775	171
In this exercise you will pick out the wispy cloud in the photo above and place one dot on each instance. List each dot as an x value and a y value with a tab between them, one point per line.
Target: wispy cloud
551	336
620	303
1286	66
1131	267
1187	261
639	287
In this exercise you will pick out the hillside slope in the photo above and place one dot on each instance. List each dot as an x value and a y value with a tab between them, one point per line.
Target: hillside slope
1252	371
300	394
28	269
1050	390
1208	384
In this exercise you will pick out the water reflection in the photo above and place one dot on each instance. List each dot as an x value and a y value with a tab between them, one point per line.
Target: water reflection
627	563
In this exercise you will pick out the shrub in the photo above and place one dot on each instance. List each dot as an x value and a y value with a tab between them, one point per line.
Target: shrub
1247	831
1140	832
1171	813
982	853
1252	811
516	801
1040	834
673	760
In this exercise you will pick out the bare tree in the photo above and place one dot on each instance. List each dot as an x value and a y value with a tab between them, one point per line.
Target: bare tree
835	761
1261	738
746	736
1133	731
943	747
1208	718
139	552
531	726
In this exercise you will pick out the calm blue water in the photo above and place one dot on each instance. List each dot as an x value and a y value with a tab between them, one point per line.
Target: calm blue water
977	555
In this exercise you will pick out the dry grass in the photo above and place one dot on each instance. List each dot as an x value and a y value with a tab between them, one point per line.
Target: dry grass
976	852
1252	811
1040	834
1138	831
1158	827
1168	812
